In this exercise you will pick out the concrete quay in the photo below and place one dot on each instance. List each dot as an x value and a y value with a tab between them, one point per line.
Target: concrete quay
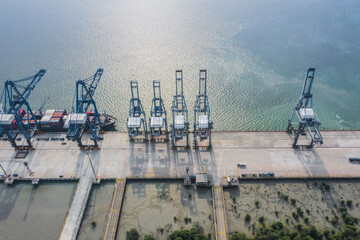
78	205
120	158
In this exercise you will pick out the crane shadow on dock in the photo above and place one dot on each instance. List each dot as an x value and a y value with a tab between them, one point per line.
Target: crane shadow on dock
182	158
311	162
139	159
205	162
160	159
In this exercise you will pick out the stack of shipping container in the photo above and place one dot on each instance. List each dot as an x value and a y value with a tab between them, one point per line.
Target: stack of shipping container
53	120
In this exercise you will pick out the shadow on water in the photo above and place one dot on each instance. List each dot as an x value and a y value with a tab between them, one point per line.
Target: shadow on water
188	198
31	199
139	189
8	197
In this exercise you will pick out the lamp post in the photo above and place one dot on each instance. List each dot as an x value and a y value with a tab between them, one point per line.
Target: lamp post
3	170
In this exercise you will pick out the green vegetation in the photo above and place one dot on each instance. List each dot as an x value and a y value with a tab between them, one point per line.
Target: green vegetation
257	203
238	236
349	203
293	201
149	237
325	187
93	224
195	233
247	218
187	220
300	212
261	219
132	234
283	196
295	215
335	220
278	231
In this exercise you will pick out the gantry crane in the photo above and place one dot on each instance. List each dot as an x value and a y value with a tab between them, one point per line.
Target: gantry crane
78	121
306	115
180	125
158	116
202	123
136	122
16	94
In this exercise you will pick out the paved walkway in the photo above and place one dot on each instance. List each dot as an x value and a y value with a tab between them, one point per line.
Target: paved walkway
221	230
78	205
115	208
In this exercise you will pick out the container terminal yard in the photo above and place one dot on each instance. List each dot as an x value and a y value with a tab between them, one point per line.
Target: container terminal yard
150	150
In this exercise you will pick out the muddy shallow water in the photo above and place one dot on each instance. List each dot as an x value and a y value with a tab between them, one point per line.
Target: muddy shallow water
97	211
317	199
34	212
151	207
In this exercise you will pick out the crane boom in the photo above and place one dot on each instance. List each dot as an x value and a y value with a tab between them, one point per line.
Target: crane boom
16	94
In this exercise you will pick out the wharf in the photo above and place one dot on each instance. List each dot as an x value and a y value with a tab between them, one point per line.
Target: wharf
219	210
78	205
119	158
115	208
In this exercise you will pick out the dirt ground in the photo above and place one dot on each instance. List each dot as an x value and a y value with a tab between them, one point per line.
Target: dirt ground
320	201
151	207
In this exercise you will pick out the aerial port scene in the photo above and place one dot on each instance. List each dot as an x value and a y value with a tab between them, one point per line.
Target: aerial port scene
179	120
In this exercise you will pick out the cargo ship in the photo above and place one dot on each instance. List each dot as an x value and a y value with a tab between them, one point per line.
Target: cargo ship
53	120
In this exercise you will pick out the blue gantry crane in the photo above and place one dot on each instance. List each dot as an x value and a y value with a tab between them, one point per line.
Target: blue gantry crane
180	125
136	122
307	118
202	122
158	116
16	94
78	121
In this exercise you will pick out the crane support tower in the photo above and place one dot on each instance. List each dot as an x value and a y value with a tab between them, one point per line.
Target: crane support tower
202	122
13	118
81	119
180	125
136	122
307	118
158	116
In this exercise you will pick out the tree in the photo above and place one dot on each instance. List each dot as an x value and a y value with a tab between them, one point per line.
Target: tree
238	236
149	237
132	234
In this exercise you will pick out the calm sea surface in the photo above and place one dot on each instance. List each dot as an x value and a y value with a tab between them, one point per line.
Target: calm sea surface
256	52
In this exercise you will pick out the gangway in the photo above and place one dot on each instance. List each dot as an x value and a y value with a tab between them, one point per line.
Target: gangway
78	121
180	125
307	118
202	123
158	116
136	122
12	115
